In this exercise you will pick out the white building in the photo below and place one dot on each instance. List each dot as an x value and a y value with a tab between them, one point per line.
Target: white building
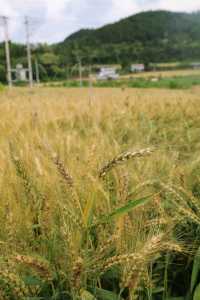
195	65
137	68
21	74
107	73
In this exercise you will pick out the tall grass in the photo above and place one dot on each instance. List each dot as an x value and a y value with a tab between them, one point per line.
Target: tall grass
99	199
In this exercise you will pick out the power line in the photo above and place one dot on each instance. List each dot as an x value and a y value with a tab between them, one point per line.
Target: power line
42	20
36	22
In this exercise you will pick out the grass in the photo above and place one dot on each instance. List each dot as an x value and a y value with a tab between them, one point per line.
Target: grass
178	82
99	194
165	73
169	83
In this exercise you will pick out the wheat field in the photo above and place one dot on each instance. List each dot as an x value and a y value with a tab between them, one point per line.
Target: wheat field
99	193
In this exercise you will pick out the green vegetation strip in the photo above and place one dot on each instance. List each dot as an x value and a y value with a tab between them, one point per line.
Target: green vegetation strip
179	82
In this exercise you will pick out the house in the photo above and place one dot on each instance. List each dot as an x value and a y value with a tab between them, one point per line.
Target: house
107	73
137	68
20	73
154	79
195	65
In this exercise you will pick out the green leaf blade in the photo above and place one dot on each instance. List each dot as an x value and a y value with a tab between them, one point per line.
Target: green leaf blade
195	271
197	293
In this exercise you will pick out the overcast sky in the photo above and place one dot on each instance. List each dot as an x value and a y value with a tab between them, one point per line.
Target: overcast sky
54	20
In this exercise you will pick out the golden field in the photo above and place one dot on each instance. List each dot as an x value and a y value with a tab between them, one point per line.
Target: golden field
99	193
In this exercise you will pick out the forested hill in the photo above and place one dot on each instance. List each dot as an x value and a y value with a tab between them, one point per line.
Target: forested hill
151	26
152	35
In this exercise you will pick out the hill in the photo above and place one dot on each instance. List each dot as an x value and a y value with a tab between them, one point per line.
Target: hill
147	36
144	27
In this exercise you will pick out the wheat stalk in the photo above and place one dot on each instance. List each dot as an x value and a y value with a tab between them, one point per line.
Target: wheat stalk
63	171
123	158
40	266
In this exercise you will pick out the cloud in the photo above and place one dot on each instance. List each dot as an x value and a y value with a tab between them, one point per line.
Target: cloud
123	8
68	16
53	20
90	11
183	5
16	10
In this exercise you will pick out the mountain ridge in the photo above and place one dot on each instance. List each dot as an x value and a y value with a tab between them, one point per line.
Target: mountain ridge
151	35
166	17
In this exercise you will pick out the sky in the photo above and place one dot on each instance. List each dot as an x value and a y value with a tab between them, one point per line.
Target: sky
53	20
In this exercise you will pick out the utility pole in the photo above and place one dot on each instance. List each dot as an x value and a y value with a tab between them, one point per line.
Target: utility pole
37	71
7	50
91	90
30	71
90	75
79	65
80	72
